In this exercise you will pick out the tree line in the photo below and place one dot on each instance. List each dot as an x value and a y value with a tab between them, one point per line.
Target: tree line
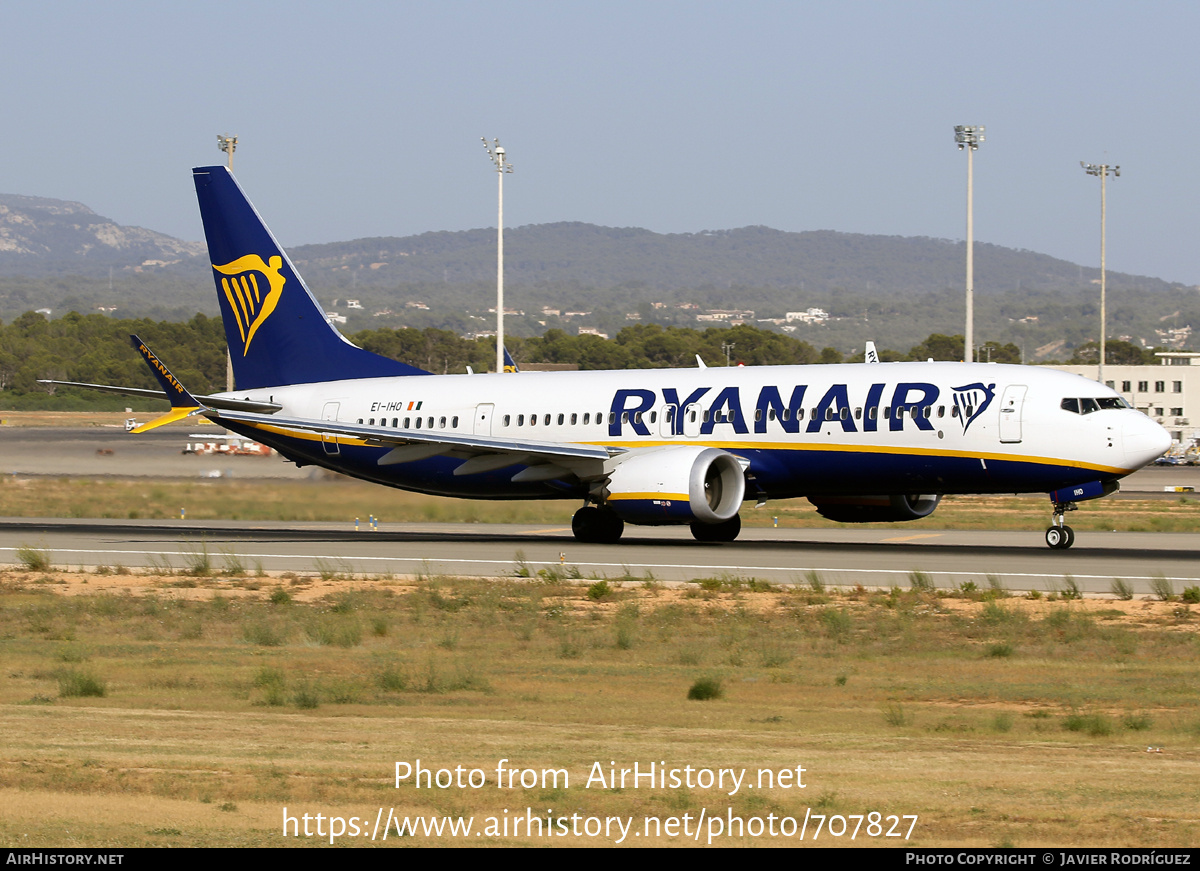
96	349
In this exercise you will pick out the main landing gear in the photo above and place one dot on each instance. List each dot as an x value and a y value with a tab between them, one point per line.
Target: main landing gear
726	531
1060	536
592	525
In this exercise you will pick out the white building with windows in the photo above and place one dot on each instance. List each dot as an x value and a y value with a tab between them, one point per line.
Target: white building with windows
1168	392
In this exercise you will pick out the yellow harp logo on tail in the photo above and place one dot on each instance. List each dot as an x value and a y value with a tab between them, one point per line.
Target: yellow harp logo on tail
251	302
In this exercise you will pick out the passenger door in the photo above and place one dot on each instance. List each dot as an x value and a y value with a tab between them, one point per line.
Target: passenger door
1011	406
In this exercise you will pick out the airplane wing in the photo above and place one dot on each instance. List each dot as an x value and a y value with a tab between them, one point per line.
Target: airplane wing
480	453
209	401
183	403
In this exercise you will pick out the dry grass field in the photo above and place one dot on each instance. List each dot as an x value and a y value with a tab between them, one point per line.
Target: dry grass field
182	710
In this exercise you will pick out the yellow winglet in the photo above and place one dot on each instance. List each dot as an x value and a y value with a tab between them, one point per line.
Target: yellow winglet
170	417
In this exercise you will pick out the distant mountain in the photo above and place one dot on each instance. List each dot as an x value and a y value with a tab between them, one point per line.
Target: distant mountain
41	236
575	255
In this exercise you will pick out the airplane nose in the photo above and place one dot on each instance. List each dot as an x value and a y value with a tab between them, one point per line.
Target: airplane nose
1144	441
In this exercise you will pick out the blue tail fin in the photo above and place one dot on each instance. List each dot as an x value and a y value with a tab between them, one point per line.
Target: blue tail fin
277	332
510	365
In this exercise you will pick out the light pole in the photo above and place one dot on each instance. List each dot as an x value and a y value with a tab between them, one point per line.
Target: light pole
496	152
1102	170
228	144
968	139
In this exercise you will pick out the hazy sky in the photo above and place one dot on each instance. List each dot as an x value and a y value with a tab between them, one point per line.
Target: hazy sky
364	119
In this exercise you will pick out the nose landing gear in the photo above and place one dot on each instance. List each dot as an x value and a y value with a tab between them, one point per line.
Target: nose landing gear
1060	536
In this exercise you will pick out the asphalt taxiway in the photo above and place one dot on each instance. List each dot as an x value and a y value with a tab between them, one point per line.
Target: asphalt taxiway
871	557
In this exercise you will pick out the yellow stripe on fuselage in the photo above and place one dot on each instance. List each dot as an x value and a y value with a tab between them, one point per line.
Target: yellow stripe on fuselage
736	447
658	497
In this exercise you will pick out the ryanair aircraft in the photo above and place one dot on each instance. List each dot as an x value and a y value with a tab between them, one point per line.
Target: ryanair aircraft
863	442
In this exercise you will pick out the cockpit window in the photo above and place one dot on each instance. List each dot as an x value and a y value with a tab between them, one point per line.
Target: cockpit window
1087	404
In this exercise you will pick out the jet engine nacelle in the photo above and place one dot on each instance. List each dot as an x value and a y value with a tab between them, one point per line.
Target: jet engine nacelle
875	509
678	484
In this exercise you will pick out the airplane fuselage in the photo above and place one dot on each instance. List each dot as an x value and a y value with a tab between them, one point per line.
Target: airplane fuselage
805	430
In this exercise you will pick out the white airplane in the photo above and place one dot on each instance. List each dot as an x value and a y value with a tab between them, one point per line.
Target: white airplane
878	442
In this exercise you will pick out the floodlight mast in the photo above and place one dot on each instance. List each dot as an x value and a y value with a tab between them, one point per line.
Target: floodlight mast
1102	170
228	144
496	152
968	138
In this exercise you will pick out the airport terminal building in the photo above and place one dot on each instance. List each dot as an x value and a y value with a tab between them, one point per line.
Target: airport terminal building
1168	392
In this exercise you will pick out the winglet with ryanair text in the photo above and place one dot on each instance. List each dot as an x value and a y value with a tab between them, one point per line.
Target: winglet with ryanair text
183	404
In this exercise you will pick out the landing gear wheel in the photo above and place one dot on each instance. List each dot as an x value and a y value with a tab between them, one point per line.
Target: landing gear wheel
1060	537
726	531
597	526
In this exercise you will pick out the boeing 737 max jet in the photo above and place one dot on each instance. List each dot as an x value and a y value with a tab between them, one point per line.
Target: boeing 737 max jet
863	442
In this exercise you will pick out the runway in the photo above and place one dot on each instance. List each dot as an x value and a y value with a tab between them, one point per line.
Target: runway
873	558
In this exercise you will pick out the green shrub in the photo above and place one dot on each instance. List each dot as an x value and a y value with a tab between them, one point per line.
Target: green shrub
305	697
814	581
1096	725
921	581
34	559
599	590
894	714
706	688
80	684
1071	588
1002	722
1121	589
837	623
392	678
1162	588
1136	722
263	634
1191	595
